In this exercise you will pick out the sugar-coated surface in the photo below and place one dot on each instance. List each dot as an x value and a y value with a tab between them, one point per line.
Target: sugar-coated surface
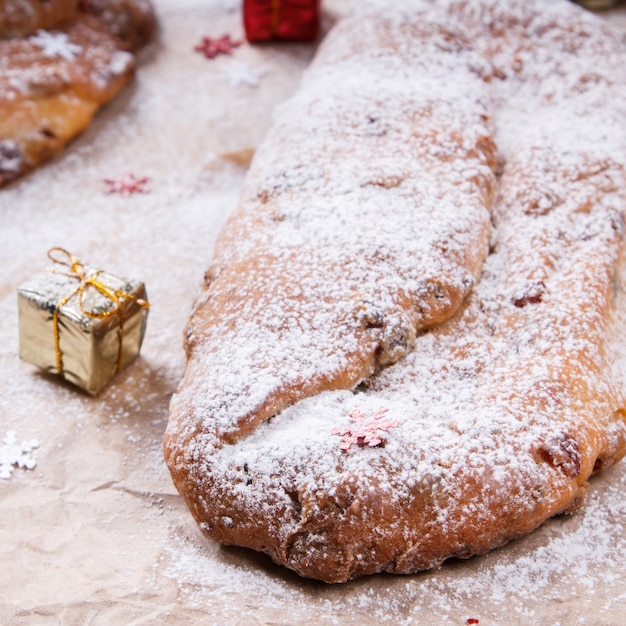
96	533
375	242
504	411
58	66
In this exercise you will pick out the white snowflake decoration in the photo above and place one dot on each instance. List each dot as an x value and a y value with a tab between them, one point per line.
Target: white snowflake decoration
56	45
241	74
14	454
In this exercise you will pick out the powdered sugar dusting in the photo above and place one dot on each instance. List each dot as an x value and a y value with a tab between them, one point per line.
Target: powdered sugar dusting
503	411
53	82
312	209
495	588
120	62
99	510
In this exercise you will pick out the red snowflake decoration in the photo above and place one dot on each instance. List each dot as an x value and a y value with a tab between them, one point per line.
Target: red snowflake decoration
127	185
363	433
212	47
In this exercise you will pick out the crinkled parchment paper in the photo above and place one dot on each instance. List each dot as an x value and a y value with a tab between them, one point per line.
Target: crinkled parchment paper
95	533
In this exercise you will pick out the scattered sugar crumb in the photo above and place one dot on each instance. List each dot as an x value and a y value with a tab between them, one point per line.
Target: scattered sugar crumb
121	61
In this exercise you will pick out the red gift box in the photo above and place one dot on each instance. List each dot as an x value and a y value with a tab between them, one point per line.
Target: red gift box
296	20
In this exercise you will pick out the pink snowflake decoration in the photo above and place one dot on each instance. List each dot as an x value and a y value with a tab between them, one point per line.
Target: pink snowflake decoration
362	432
126	186
212	47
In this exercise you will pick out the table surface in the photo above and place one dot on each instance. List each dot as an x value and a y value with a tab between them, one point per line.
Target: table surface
95	533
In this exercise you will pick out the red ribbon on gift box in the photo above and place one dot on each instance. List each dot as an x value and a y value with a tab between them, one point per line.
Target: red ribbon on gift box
295	20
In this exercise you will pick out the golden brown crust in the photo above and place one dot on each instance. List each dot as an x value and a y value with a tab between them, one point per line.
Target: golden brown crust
53	82
500	400
21	18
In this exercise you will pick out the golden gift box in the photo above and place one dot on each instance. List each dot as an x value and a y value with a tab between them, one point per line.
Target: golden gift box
82	323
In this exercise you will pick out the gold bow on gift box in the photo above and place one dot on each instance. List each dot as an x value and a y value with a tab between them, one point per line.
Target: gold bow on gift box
82	323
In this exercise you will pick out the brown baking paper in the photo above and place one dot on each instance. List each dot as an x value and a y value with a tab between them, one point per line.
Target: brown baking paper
95	533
